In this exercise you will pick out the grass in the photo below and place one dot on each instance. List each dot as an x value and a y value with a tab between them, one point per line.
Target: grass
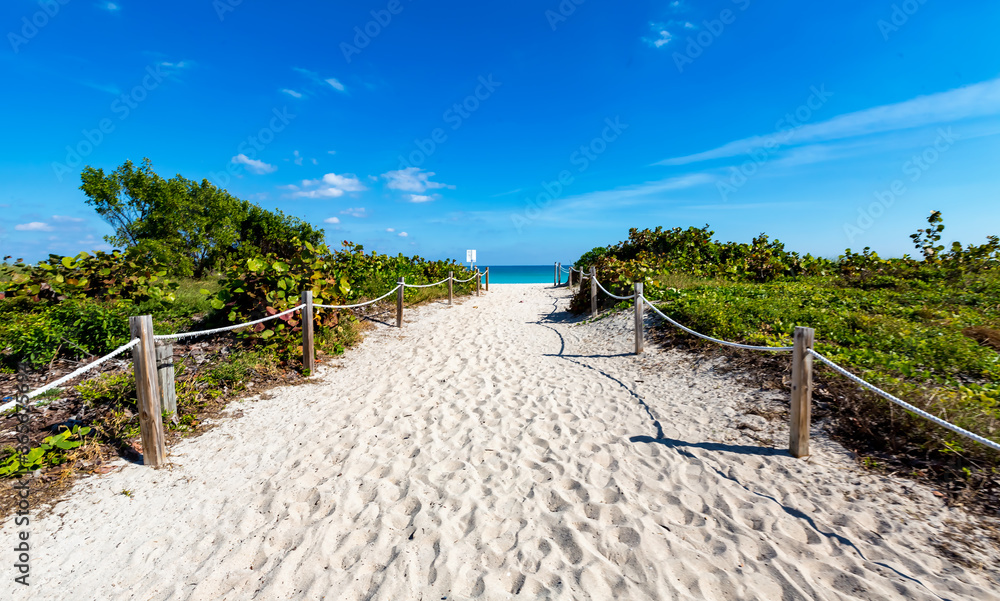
932	344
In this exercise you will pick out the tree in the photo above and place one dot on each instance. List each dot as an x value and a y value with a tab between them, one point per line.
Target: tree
185	224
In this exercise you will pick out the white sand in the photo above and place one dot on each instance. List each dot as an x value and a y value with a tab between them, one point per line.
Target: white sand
486	453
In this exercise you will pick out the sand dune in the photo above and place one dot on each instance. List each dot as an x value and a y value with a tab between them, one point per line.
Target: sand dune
499	449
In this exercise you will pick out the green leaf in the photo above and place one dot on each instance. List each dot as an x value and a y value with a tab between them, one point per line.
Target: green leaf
266	334
203	291
280	267
67	262
217	304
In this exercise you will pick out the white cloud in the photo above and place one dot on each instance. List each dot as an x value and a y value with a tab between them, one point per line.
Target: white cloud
110	6
331	152
412	179
663	36
421	198
66	219
298	158
292	93
975	100
390	229
358	212
330	185
314	161
403	234
332	220
255	166
34	226
177	65
318	80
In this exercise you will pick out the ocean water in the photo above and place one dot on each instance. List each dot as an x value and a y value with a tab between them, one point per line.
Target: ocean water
521	274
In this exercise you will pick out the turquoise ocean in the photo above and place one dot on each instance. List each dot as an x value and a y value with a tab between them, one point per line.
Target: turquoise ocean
521	274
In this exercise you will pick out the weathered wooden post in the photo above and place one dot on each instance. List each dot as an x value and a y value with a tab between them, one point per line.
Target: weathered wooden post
555	270
165	378
451	291
399	302
154	452
308	353
569	280
558	274
487	279
593	291
802	385
638	318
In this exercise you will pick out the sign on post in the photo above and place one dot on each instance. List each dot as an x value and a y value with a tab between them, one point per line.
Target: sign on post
470	256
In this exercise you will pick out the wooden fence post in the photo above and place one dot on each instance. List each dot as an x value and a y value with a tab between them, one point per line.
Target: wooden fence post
487	279
802	385
558	274
165	378
593	291
555	270
638	318
451	292
308	352
399	302
479	282
147	388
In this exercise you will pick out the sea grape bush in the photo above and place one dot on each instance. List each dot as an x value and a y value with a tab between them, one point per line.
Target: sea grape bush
260	286
105	276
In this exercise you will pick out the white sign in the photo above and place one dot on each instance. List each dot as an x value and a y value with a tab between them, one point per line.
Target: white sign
470	256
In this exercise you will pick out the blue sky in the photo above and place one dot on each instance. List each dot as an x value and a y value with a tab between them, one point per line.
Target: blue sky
531	131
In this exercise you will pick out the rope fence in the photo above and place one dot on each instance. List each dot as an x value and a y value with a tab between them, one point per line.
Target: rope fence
802	364
152	357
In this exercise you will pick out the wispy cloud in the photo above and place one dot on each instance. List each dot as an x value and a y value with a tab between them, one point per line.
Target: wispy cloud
976	100
319	80
330	185
66	219
403	234
34	226
412	179
254	165
332	220
390	229
358	212
110	6
292	93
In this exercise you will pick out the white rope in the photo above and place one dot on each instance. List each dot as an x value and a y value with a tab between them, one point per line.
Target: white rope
612	295
468	280
426	285
359	304
227	328
937	420
722	342
74	374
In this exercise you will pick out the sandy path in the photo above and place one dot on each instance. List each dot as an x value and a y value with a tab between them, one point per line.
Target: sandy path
490	450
